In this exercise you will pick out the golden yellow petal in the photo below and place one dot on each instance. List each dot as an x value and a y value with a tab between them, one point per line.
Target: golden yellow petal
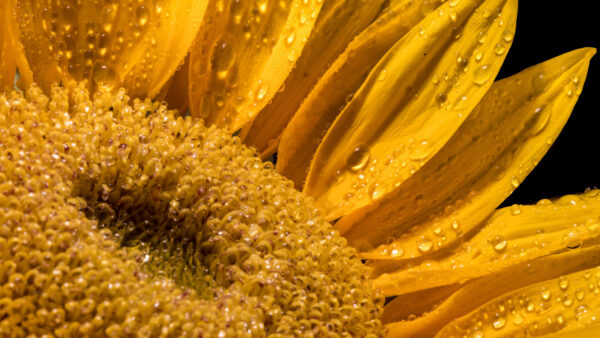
480	291
338	23
513	235
492	152
410	306
411	103
569	302
301	137
586	331
243	53
7	47
137	44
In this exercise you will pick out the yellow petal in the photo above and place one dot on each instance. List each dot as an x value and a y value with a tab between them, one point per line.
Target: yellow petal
243	53
7	47
410	104
569	302
336	26
487	158
587	331
137	44
412	305
480	291
513	235
304	132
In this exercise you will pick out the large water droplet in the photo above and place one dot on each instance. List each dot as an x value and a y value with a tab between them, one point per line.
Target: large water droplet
541	81
420	151
103	74
500	49
358	158
482	74
142	15
543	113
222	58
499	323
425	245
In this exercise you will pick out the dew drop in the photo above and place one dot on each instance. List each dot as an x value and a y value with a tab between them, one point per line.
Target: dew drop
515	210
452	16
499	49
563	283
103	74
540	82
262	91
425	245
359	158
499	323
142	15
441	98
222	58
545	294
376	191
514	181
543	113
507	36
396	252
498	243
481	37
579	294
420	151
482	74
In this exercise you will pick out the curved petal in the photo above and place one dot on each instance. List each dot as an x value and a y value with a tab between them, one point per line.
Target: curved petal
410	105
243	53
137	44
500	143
302	136
587	331
568	302
513	235
483	290
338	23
7	47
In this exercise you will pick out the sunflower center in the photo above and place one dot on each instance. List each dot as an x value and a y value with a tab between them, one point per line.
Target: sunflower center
191	209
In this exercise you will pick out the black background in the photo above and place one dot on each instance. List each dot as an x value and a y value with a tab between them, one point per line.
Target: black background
545	29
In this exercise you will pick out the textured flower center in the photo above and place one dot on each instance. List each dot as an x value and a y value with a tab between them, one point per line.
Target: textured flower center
120	218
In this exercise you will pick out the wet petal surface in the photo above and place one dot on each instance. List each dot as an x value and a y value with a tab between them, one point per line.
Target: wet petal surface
243	54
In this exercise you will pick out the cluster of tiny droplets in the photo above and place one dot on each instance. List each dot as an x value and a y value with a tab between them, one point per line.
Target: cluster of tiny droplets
118	218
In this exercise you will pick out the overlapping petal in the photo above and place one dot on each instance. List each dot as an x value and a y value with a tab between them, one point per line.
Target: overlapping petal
7	47
301	137
472	295
136	44
411	103
513	235
565	303
487	158
243	54
338	23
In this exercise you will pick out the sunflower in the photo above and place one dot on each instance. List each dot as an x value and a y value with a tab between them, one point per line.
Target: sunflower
384	113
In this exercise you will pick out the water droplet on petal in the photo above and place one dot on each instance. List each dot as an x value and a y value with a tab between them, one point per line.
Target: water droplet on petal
543	113
425	245
482	74
499	323
359	158
540	82
420	151
499	49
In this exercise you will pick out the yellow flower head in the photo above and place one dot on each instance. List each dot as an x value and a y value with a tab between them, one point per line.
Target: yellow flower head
122	218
